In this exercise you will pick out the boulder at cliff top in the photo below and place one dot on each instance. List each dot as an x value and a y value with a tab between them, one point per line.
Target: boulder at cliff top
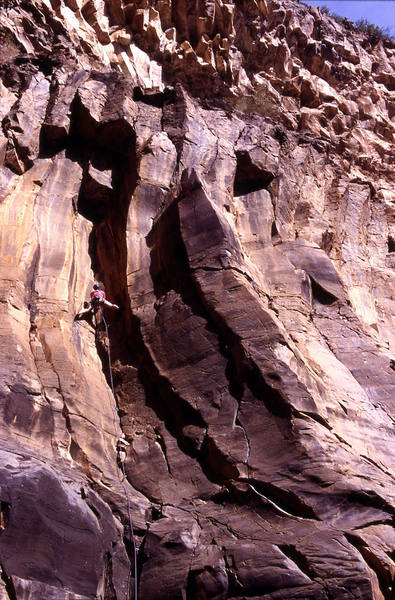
225	169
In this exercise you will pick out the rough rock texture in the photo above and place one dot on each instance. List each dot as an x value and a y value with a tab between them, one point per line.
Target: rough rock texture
225	169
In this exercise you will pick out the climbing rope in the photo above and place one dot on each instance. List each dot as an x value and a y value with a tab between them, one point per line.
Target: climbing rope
116	413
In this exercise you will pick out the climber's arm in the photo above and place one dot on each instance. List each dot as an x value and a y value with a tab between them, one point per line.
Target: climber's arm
110	305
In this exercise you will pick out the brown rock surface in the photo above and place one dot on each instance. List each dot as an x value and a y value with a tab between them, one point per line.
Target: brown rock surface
225	169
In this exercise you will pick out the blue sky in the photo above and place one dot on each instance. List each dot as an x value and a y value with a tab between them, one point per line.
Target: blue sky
378	12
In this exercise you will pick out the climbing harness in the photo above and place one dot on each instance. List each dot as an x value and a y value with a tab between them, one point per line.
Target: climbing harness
122	465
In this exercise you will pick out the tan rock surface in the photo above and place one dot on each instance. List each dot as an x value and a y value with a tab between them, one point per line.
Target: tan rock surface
225	169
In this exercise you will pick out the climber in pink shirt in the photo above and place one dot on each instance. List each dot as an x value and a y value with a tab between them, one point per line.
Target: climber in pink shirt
97	293
98	299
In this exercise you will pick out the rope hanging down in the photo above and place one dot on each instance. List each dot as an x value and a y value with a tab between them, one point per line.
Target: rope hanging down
123	468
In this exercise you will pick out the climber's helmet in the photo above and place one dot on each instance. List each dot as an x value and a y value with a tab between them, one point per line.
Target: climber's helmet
96	286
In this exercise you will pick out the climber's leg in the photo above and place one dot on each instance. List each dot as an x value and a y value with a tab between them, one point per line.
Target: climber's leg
87	310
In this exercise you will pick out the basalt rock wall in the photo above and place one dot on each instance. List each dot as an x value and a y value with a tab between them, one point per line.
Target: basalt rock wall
225	170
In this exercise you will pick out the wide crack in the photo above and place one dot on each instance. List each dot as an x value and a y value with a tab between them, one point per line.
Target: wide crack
368	557
9	585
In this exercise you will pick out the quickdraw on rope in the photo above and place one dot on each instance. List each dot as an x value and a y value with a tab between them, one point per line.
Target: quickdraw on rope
123	469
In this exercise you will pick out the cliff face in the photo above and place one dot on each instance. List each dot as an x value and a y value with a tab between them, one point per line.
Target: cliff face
225	170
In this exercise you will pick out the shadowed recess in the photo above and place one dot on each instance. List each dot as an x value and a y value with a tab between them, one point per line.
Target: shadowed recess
9	586
320	295
383	574
286	500
249	177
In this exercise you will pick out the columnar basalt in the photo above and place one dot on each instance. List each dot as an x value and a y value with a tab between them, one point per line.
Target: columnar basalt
224	168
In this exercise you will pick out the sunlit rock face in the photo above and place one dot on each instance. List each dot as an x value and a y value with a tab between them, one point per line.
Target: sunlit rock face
225	169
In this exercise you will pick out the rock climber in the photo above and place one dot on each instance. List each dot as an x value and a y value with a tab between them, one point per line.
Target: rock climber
122	444
98	299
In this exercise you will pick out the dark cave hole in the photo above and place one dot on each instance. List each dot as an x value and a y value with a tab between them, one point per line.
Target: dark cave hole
116	141
53	140
77	142
95	201
103	144
320	294
156	514
391	244
82	132
158	99
223	497
249	177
